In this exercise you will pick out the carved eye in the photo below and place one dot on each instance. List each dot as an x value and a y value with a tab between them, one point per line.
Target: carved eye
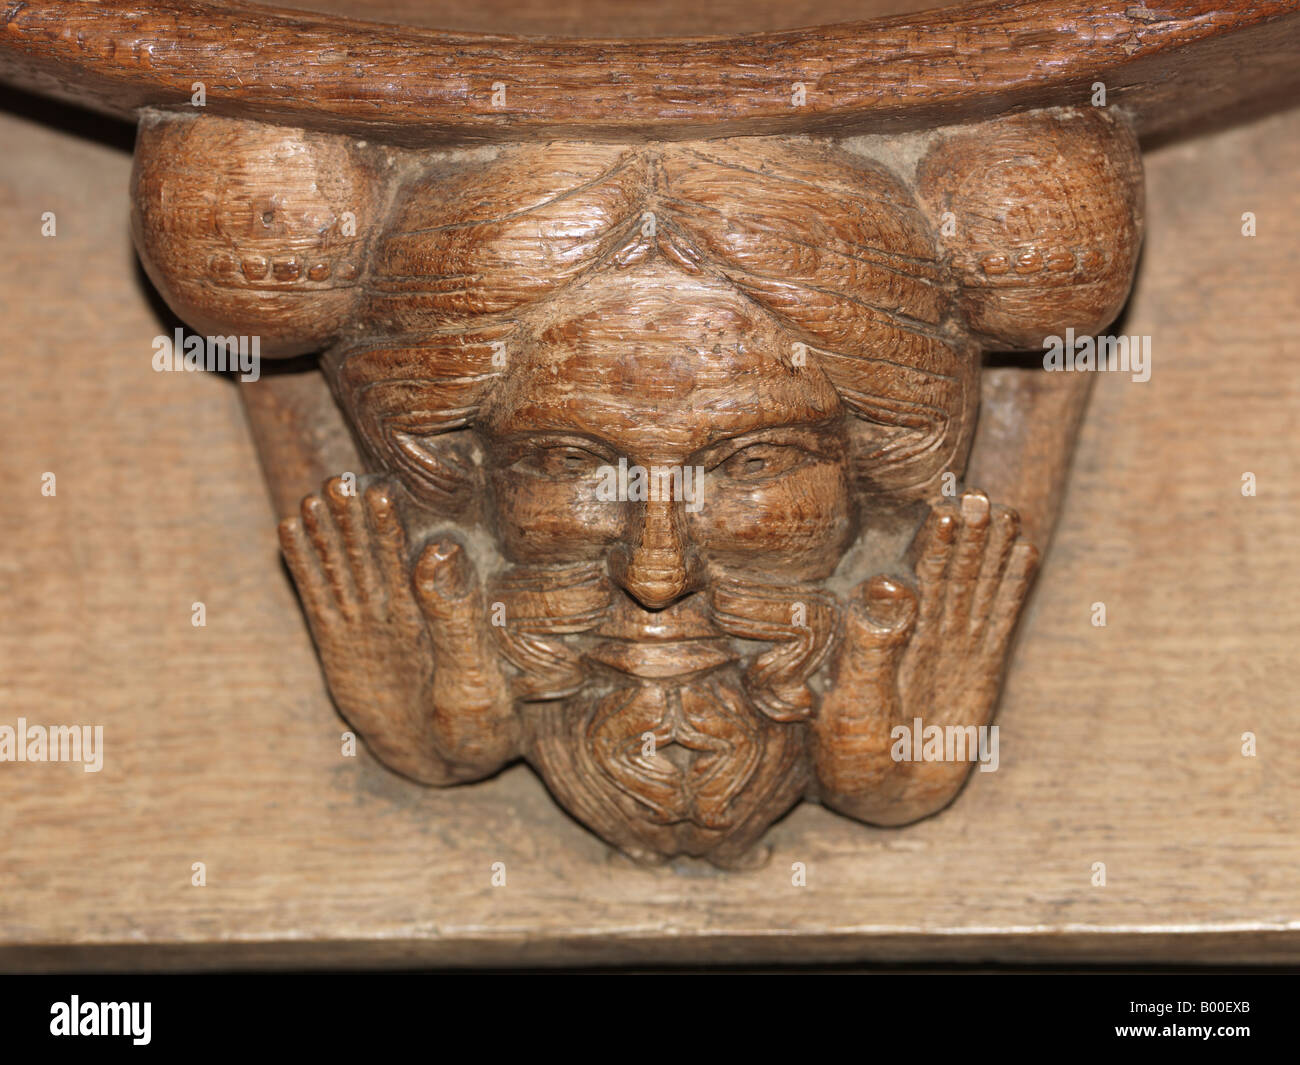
760	461
564	461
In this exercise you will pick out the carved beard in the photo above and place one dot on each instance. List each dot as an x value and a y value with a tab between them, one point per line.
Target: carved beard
656	729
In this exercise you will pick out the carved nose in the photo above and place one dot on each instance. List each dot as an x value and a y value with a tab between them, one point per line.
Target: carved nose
658	567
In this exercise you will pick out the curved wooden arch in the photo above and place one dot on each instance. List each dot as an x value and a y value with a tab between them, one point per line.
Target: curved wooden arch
1167	63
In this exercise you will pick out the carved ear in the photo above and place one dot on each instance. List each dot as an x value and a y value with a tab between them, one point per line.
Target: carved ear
1041	217
253	229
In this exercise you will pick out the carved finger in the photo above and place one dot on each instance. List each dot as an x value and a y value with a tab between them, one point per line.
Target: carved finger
391	551
447	591
467	675
879	618
884	610
934	546
346	510
328	544
1010	596
305	567
1004	528
964	564
443	579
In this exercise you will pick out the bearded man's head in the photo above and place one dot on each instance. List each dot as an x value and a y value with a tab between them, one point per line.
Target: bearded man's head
671	398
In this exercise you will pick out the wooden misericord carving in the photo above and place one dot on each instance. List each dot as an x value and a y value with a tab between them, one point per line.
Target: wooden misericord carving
637	386
660	452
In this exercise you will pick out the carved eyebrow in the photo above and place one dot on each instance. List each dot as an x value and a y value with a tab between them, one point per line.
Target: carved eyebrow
818	438
513	447
560	427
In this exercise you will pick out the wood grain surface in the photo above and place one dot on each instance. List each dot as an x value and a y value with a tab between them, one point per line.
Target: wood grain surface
1171	63
1119	745
615	18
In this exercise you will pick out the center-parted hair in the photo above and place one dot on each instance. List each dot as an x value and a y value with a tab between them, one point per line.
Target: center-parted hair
989	236
478	258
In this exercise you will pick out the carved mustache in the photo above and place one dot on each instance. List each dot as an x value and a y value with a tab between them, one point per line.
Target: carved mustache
542	606
545	609
801	621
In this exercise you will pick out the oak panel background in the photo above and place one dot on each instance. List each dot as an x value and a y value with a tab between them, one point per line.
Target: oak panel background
1118	744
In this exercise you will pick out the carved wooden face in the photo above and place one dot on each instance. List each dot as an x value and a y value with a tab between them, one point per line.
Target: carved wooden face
742	459
698	397
634	417
619	603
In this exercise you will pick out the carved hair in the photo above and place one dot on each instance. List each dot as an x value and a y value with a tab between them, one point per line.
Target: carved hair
894	293
833	248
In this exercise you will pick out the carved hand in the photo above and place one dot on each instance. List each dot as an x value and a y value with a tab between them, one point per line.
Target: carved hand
404	651
972	573
934	653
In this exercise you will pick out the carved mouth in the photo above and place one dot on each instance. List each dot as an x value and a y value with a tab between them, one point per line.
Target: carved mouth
687	619
675	642
664	660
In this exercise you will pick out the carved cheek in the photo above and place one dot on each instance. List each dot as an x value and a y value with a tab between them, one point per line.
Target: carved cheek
796	526
553	520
